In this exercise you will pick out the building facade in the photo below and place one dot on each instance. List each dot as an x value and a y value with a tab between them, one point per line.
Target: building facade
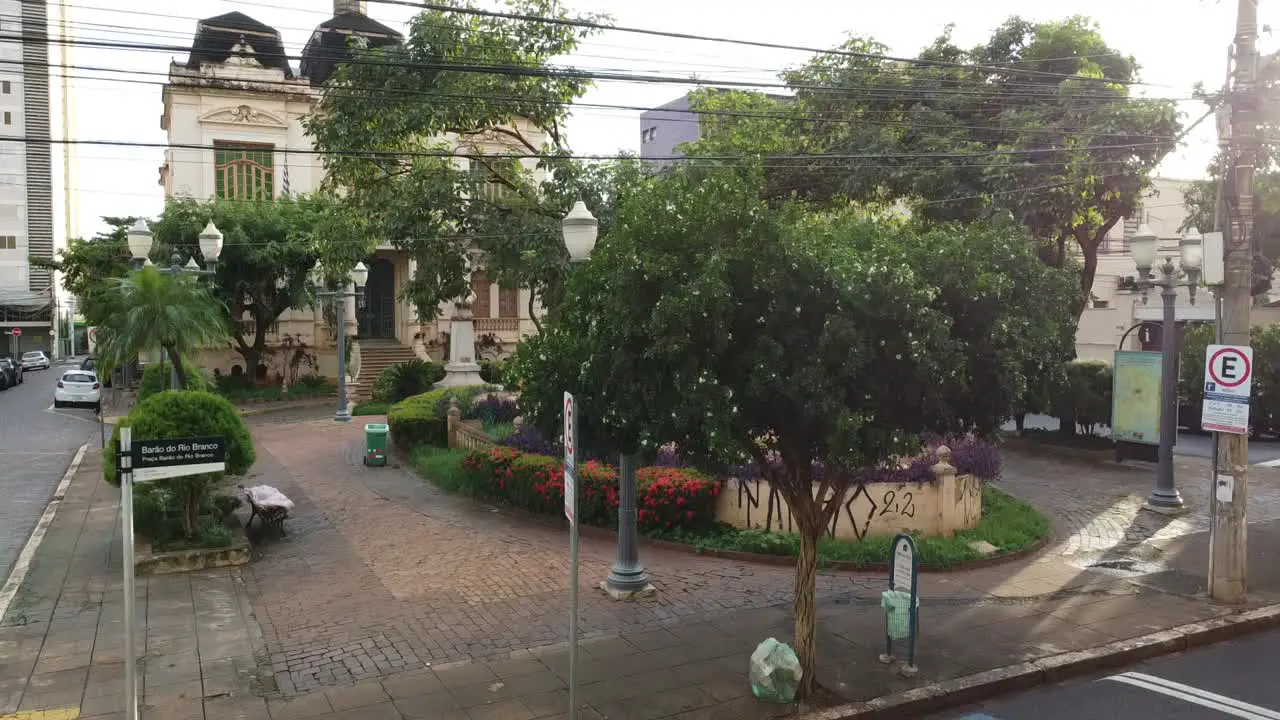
233	112
26	180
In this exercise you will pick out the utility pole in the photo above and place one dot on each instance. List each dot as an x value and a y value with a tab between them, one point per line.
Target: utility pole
1229	533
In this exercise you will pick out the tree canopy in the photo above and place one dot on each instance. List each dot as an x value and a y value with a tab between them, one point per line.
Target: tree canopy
1039	123
814	342
445	157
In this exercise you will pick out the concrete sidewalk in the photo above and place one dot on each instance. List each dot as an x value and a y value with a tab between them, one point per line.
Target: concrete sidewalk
390	600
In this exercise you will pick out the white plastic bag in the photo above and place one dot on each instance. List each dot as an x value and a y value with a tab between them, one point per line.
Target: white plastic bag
267	496
775	671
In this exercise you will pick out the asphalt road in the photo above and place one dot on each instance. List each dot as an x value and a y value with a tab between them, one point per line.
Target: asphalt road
1261	451
37	444
1235	679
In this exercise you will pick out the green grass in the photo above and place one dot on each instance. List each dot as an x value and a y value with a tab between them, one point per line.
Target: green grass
273	393
501	430
442	466
1007	523
369	407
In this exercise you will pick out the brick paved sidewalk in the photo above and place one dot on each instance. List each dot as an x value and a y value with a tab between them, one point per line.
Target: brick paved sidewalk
389	600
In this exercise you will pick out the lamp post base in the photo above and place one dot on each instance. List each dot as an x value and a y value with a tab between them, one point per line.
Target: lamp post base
643	591
342	416
1164	507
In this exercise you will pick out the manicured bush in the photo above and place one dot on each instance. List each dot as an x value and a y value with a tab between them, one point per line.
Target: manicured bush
156	379
181	414
1084	400
406	379
423	419
667	497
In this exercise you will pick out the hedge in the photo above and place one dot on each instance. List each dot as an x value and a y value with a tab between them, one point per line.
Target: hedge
667	497
424	419
156	379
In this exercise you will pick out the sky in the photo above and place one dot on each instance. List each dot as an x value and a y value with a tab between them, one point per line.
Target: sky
1177	42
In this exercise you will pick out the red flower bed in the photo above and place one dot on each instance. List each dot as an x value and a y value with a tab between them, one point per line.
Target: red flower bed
667	497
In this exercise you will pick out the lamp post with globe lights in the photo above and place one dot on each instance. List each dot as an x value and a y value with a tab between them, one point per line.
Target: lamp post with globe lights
628	576
359	275
141	241
1168	277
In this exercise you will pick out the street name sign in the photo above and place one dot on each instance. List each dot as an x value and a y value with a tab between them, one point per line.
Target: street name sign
177	457
1228	380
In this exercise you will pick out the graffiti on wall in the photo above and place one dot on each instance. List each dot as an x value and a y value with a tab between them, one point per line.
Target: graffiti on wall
864	503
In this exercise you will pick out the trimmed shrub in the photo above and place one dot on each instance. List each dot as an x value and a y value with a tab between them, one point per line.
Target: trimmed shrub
424	419
406	379
1085	399
154	380
667	497
181	414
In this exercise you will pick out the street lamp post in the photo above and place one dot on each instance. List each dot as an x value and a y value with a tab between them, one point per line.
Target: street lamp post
359	275
140	243
1168	277
628	575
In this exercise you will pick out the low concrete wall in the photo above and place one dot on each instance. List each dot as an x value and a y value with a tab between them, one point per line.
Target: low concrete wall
938	507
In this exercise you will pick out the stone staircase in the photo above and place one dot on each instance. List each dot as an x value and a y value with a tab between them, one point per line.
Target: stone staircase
376	355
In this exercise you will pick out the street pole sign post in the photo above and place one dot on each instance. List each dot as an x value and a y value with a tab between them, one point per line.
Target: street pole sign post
571	513
16	332
1228	379
147	461
901	602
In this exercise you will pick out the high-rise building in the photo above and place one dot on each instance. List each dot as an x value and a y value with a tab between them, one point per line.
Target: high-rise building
26	185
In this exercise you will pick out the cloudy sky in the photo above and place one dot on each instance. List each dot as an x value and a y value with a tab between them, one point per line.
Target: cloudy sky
1178	43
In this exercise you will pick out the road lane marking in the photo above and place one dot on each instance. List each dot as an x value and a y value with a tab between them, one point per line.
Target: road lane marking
1268	463
59	714
20	568
1195	695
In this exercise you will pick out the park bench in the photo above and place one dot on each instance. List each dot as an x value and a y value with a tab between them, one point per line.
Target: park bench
268	504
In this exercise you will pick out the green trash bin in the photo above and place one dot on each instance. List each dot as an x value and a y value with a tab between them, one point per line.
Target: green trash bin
375	444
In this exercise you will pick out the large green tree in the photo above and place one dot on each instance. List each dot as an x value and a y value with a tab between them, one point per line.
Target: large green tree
1039	123
814	343
444	177
269	251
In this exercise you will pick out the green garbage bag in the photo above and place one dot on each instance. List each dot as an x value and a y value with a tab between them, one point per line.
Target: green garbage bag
775	671
897	607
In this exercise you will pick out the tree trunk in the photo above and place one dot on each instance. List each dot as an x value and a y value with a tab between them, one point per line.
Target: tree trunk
179	371
190	511
537	324
1020	422
806	608
1090	269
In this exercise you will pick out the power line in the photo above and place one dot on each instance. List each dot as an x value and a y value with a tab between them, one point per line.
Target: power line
691	116
564	73
398	155
592	25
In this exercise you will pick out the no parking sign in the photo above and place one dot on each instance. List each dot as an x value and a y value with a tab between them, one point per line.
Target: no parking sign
1228	380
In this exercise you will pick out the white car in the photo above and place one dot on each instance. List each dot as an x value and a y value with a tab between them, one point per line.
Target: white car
35	360
78	387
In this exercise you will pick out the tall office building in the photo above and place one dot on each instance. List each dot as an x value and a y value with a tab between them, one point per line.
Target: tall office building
26	185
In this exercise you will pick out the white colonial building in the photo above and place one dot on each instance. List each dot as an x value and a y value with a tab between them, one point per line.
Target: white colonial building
233	112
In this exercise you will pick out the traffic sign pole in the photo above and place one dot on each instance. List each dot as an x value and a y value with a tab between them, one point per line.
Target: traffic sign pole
571	511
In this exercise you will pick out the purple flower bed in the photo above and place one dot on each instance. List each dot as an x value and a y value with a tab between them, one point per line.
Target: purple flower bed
969	455
494	409
529	440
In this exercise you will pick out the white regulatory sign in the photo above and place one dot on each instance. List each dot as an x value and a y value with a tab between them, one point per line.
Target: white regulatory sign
570	469
1228	380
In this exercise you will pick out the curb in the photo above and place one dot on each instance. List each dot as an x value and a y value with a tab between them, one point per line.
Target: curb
971	689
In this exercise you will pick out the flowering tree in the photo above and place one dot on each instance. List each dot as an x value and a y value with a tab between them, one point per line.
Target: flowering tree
815	344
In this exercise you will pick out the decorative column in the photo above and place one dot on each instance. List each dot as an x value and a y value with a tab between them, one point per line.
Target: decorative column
462	368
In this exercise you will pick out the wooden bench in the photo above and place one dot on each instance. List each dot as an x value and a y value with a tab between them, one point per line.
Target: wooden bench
270	516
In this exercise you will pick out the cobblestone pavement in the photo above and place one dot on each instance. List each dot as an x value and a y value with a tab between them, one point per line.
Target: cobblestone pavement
399	574
1097	507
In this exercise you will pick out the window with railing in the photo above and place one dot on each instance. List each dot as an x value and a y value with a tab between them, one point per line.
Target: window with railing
508	302
243	171
487	184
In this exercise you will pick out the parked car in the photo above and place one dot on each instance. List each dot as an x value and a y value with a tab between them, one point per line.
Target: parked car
35	360
12	370
78	387
4	381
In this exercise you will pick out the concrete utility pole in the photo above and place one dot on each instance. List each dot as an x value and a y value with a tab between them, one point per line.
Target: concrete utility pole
1228	536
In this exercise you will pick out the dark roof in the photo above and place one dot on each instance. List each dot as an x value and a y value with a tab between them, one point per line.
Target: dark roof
328	44
216	36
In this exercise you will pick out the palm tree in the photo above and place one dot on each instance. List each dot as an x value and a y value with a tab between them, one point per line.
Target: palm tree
151	309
